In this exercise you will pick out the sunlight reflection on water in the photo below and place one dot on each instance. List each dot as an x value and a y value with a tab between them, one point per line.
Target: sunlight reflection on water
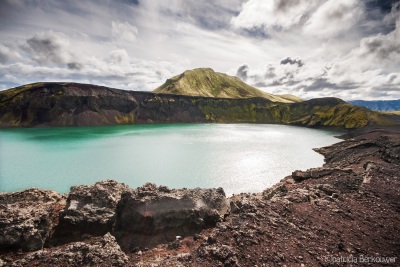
237	157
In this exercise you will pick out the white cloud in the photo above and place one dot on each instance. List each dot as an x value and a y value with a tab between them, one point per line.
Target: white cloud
274	14
333	17
124	31
7	54
50	56
309	48
119	57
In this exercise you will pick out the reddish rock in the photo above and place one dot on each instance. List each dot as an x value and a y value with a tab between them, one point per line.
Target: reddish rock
152	215
90	211
27	218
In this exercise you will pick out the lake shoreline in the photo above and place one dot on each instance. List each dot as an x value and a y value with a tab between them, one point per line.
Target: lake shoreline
352	200
237	157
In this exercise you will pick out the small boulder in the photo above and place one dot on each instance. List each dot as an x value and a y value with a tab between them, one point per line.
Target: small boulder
90	211
27	218
99	251
149	216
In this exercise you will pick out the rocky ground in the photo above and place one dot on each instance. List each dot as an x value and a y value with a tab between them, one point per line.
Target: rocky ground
345	213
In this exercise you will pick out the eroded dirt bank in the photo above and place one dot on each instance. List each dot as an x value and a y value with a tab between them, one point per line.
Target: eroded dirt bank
343	213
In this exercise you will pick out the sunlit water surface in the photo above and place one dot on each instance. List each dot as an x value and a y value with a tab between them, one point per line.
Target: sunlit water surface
237	157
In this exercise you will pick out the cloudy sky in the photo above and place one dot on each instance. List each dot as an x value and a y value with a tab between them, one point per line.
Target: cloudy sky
310	48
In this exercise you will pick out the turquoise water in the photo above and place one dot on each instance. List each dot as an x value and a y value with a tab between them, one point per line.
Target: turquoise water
237	157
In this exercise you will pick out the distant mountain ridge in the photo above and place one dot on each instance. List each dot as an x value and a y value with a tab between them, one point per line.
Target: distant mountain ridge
208	83
378	105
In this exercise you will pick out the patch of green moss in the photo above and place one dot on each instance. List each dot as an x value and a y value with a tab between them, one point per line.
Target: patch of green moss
125	119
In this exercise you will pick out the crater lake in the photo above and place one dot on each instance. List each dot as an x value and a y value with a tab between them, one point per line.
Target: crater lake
237	157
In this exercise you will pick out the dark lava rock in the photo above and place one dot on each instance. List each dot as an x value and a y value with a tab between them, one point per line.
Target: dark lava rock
90	211
100	251
27	218
150	215
220	253
347	208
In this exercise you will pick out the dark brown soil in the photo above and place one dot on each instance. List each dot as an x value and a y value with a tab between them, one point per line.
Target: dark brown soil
348	217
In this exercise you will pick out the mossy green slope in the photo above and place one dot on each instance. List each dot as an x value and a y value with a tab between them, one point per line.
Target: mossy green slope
322	112
336	113
208	83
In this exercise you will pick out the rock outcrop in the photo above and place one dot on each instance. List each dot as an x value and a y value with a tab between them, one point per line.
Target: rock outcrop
152	215
99	251
344	213
90	211
28	218
341	214
79	229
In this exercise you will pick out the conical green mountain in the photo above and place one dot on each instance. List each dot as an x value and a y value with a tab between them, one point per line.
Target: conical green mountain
208	83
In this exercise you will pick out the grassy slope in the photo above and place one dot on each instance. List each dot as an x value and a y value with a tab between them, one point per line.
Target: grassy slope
324	112
8	94
206	82
397	112
335	112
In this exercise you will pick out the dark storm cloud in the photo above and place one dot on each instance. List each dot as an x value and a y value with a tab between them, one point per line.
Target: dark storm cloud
380	16
74	66
385	6
212	15
392	77
382	47
270	72
47	48
4	57
130	2
323	83
242	72
8	13
276	83
284	5
291	61
256	32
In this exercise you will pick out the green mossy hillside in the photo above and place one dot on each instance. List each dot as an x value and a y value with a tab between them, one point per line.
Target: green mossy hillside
208	83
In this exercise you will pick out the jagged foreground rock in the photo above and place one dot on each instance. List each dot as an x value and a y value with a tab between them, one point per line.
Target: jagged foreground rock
342	214
99	251
149	215
90	210
28	218
347	210
146	216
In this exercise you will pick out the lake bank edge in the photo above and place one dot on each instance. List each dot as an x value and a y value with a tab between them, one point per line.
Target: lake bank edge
305	190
